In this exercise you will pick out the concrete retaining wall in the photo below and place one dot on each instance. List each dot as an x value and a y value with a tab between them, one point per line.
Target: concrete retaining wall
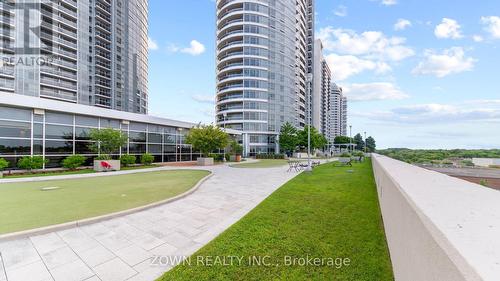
438	227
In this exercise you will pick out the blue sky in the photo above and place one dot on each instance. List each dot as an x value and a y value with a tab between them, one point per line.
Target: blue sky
419	74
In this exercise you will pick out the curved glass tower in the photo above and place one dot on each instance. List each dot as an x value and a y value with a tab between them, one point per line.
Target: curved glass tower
262	65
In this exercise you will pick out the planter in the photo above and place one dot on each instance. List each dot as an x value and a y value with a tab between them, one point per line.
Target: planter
106	165
235	158
205	161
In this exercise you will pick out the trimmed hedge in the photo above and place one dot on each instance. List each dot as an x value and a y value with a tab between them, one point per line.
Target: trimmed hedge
270	156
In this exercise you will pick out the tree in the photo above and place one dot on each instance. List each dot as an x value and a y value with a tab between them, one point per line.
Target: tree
360	143
31	163
342	140
106	142
371	145
74	161
288	138
236	148
207	138
317	139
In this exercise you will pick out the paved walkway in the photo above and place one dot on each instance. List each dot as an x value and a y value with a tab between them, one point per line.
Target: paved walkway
123	248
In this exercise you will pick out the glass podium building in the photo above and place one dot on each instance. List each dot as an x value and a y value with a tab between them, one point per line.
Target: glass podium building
55	130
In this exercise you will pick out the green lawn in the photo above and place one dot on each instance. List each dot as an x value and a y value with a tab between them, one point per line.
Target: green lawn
264	163
332	213
24	206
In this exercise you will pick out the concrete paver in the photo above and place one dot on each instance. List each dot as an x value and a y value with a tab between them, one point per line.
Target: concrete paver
123	248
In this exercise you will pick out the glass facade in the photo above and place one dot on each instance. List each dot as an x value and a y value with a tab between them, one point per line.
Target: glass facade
262	63
56	135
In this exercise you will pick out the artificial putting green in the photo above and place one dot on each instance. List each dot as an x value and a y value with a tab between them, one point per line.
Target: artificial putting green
25	206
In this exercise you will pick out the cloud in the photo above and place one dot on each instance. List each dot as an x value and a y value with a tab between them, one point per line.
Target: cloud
347	66
204	99
386	2
402	24
492	25
450	61
373	45
195	49
437	113
373	92
340	11
448	28
477	38
152	45
389	2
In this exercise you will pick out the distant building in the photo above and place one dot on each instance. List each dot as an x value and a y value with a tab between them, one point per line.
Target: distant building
322	77
337	113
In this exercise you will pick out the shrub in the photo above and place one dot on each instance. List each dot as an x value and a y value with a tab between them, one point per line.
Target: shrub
484	183
345	155
31	163
147	159
358	154
127	160
270	156
103	157
219	157
3	164
73	162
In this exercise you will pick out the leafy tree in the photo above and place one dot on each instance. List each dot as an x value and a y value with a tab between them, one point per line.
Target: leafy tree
342	140
371	145
288	138
31	163
147	159
106	142
317	139
360	143
3	164
207	138
236	148
74	161
127	160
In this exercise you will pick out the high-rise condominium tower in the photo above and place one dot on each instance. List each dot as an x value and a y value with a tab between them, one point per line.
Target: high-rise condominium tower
337	113
264	55
322	77
91	52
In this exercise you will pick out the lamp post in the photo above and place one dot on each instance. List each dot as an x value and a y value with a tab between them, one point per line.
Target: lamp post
350	138
225	117
365	143
309	121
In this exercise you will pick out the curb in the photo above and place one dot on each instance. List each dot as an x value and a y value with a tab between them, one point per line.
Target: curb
79	223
